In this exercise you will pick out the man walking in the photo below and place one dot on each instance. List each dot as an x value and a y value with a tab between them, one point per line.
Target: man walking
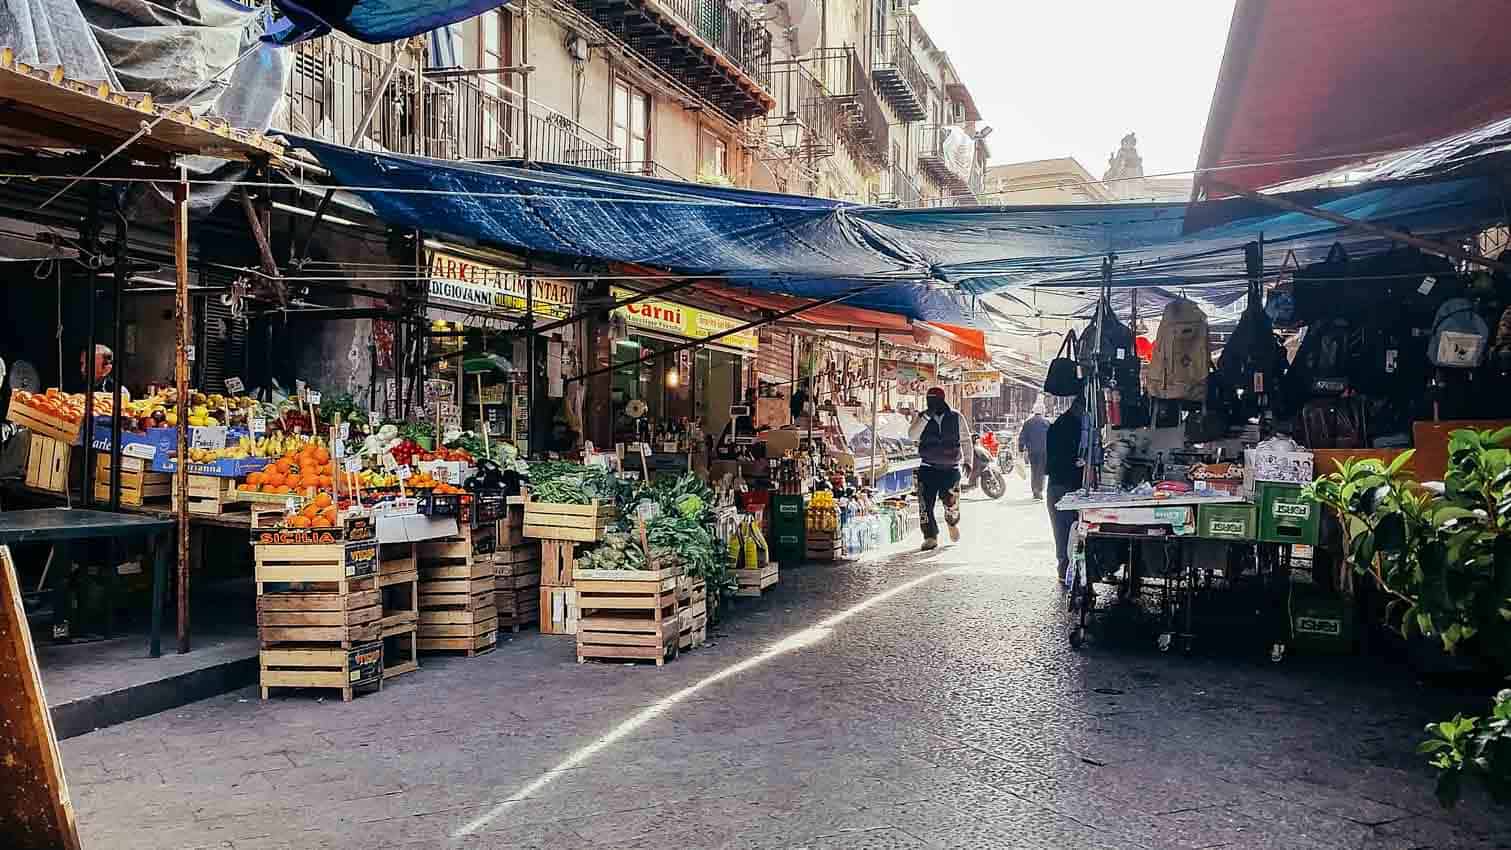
942	435
1031	446
1065	468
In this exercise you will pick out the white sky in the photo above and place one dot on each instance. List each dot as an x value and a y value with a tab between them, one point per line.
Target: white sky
1071	77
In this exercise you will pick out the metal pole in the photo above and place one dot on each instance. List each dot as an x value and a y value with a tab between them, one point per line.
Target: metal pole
122	269
524	59
92	240
530	425
875	399
181	384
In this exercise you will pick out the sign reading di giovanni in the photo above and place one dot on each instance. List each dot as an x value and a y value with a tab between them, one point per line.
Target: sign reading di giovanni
457	280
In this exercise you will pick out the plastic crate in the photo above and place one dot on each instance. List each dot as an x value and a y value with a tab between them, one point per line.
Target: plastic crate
1227	522
1285	516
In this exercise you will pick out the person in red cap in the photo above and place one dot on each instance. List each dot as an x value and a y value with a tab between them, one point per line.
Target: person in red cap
942	435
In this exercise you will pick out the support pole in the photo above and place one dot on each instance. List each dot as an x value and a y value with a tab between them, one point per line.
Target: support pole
524	59
1440	248
119	273
875	399
181	383
92	240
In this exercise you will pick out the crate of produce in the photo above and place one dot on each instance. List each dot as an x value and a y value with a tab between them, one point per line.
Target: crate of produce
754	582
345	669
139	485
628	614
47	464
554	521
1285	516
41	413
210	495
1227	522
558	610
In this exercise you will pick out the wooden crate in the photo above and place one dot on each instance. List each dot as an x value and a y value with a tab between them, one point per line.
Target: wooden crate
823	546
628	614
756	582
401	651
693	625
511	526
319	614
397	563
583	523
343	669
210	495
517	608
558	610
516	585
558	558
455	593
47	464
48	426
472	631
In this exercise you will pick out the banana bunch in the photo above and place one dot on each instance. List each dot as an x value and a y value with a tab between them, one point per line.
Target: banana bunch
212	455
371	478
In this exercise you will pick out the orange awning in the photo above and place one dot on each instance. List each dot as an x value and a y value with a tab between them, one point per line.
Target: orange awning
952	339
829	316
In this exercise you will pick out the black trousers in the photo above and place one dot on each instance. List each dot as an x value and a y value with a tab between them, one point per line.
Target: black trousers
937	484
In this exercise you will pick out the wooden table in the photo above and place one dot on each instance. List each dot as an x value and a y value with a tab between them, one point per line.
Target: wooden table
64	527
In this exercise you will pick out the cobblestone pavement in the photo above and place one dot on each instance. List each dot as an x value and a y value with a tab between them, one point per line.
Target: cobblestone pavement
901	702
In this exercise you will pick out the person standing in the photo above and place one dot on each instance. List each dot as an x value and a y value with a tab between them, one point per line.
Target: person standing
1031	446
1064	467
942	435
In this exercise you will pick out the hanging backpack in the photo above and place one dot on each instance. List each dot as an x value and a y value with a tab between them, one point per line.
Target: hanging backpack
1064	376
1253	360
1460	336
1182	356
1321	367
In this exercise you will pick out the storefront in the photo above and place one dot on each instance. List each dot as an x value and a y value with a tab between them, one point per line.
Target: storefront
676	389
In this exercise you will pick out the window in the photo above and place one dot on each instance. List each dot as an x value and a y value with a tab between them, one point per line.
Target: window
632	118
495	49
715	156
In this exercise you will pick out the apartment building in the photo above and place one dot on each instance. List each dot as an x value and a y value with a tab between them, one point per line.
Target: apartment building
848	99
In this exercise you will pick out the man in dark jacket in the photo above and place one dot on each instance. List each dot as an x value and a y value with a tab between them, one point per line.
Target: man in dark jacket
943	436
1031	447
1065	467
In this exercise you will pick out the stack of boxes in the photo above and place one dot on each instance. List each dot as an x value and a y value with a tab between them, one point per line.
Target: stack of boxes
456	583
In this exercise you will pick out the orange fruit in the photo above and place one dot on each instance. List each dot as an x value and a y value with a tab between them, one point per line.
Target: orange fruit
321	522
330	514
281	489
270	488
248	487
322	455
326	480
282	465
323	500
255	479
311	511
299	521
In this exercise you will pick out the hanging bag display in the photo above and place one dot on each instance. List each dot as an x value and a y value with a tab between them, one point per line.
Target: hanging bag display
1460	336
1182	354
1064	377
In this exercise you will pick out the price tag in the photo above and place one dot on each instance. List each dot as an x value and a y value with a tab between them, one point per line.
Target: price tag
207	437
312	397
354	464
338	447
346	430
257	425
235	386
291	505
374	419
403	472
299	387
388	461
145	451
189	353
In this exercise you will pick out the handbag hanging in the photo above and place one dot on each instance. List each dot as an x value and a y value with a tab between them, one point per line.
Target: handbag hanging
1064	376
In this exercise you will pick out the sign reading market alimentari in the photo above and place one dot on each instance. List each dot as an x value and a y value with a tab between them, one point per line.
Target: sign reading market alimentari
460	281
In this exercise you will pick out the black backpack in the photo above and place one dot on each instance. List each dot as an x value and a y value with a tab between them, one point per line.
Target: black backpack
1321	368
1253	360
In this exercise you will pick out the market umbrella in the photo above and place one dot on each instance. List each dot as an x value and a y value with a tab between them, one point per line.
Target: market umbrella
477	364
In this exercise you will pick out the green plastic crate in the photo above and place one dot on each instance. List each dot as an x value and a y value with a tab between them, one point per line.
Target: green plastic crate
1227	522
1321	622
789	548
788	515
1286	517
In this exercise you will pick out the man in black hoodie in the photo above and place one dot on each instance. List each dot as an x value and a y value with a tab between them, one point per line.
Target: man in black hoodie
1063	446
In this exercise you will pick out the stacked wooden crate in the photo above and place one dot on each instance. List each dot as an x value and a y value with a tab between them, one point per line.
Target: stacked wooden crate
318	609
47	464
559	528
399	586
628	614
139	484
210	495
824	546
516	585
692	594
754	582
456	591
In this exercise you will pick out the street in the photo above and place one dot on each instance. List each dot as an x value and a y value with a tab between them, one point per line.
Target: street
903	701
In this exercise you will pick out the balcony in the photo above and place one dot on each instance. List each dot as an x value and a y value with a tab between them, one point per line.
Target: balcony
898	190
718	51
806	120
898	77
858	114
948	155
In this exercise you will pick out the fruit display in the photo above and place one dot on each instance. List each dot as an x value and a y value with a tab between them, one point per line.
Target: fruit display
823	512
307	471
68	407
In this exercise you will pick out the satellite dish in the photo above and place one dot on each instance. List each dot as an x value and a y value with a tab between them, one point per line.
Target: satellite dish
636	408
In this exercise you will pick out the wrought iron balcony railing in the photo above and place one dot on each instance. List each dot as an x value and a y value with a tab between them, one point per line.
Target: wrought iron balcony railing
898	76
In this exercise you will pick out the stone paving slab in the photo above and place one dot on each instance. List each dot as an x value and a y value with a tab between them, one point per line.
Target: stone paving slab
949	715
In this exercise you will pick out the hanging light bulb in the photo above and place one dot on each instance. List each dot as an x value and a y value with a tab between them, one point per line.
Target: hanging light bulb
672	378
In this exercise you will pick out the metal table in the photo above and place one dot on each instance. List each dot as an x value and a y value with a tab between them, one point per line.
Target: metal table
63	527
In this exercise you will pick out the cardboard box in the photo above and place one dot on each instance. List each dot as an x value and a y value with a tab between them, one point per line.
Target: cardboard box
1279	467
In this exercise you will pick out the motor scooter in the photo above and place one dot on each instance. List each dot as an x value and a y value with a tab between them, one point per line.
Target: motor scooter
993	484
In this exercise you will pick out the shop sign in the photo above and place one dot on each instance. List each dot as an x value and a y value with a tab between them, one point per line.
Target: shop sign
911	378
982	384
666	317
457	280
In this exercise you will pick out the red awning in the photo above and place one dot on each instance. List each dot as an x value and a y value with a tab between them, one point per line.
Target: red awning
1315	84
829	316
952	339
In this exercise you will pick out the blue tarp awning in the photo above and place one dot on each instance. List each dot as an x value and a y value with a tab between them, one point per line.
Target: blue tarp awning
936	262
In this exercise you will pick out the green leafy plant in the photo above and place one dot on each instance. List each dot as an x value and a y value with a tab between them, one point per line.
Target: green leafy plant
1444	558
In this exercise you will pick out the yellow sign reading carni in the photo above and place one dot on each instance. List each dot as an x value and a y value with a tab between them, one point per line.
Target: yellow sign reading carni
666	317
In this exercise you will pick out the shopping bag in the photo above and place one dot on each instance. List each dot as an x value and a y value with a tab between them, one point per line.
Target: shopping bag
1064	377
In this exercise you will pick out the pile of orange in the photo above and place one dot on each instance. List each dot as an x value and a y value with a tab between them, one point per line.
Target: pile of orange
321	512
303	473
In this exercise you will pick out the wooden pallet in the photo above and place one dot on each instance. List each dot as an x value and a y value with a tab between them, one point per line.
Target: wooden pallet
47	463
558	558
583	523
343	669
627	614
756	582
210	495
558	610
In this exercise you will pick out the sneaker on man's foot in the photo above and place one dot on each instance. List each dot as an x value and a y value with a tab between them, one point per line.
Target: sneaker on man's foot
954	534
930	543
